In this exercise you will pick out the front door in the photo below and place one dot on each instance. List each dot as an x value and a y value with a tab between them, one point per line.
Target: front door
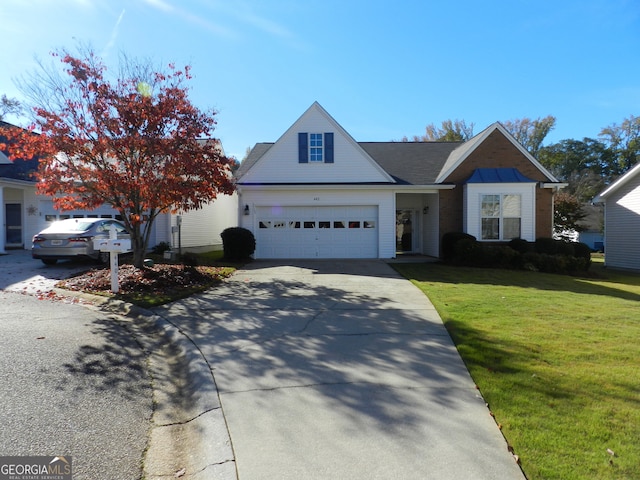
406	230
13	216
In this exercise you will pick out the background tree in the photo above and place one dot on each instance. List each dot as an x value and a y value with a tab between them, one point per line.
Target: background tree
449	131
624	141
567	213
132	143
583	164
9	106
531	133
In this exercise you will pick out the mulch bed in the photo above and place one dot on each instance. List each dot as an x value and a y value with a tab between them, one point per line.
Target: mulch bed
157	279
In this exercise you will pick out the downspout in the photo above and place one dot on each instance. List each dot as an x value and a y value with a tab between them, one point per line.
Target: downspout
3	225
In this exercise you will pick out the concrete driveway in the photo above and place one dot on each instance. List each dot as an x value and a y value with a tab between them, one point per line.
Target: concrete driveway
337	369
22	274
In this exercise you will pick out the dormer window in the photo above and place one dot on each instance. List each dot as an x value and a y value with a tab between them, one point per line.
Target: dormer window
315	147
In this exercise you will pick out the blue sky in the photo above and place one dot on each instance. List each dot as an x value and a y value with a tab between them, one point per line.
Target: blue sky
382	69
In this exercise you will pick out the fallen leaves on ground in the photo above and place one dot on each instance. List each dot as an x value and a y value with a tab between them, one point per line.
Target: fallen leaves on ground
158	279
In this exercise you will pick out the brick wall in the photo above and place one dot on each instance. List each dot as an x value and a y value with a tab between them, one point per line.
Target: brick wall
495	152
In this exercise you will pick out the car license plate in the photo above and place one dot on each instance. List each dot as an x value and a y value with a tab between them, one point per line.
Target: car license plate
56	242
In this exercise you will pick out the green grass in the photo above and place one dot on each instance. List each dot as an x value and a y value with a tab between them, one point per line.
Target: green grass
556	357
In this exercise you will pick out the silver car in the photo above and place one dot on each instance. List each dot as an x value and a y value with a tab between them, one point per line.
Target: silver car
73	238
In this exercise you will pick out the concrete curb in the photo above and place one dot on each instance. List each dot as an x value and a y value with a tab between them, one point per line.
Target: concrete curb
189	436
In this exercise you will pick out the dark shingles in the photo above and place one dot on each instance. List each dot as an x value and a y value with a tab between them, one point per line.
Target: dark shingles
409	163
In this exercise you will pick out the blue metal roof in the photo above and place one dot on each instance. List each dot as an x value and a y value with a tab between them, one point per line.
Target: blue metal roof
498	175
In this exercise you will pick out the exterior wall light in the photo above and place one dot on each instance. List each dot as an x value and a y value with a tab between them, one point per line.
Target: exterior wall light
246	209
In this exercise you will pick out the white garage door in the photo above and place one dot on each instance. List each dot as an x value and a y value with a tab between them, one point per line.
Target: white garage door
317	232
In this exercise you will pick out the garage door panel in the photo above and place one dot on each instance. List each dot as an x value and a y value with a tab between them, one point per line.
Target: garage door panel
317	232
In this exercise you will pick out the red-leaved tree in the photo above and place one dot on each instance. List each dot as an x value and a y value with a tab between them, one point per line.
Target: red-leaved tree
135	143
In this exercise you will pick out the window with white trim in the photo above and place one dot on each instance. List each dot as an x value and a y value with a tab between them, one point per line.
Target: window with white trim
501	216
316	147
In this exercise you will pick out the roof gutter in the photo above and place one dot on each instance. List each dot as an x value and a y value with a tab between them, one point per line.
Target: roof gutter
555	185
334	186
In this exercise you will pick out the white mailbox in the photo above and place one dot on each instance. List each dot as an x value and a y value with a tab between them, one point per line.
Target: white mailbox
116	245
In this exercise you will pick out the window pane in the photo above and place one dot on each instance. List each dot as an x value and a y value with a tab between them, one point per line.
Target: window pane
315	155
511	228
316	140
354	224
338	224
511	206
490	228
264	225
324	224
491	205
294	224
279	224
309	224
369	224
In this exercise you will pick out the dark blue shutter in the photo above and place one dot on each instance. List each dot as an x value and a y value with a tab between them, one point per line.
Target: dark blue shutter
328	148
303	149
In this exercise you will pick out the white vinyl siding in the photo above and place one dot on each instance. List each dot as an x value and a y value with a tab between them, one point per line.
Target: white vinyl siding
622	227
351	164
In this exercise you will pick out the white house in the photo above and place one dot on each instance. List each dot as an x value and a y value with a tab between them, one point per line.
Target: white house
23	213
318	193
622	221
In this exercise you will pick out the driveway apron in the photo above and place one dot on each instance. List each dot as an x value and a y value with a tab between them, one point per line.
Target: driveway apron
340	369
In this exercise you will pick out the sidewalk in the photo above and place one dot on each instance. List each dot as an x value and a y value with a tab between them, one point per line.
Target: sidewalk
334	370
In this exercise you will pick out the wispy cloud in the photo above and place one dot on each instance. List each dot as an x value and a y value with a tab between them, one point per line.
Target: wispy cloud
114	35
168	8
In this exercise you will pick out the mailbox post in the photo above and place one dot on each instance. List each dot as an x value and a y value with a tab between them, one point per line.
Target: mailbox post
114	246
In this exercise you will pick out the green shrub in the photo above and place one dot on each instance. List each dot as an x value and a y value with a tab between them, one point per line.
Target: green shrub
467	251
520	245
546	245
160	248
582	250
238	243
518	254
564	248
449	241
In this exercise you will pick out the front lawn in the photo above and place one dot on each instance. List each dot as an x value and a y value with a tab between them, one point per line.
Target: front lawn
557	358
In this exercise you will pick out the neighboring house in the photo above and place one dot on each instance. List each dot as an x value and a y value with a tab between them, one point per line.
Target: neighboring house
622	221
317	193
593	227
23	213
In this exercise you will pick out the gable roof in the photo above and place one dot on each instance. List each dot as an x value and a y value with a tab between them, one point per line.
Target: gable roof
409	163
264	157
255	154
461	153
619	183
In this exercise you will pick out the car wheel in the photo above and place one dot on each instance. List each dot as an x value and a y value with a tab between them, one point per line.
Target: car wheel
104	258
49	261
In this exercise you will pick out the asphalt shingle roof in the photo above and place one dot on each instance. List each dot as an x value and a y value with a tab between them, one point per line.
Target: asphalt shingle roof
409	163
